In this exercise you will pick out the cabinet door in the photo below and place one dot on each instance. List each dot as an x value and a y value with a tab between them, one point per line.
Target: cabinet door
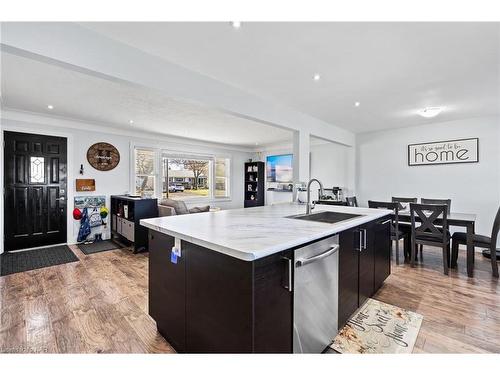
366	262
219	302
383	244
348	274
119	225
273	300
167	290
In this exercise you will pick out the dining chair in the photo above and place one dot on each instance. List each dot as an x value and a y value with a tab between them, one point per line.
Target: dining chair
403	205
429	232
437	201
403	200
352	201
460	238
434	201
396	234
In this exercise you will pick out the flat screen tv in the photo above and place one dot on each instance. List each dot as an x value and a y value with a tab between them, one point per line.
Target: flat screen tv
279	168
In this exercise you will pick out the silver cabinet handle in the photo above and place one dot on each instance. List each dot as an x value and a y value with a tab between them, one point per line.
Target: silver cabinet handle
60	199
303	262
290	270
364	239
360	243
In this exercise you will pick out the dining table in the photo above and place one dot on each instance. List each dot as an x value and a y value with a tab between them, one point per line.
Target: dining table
455	219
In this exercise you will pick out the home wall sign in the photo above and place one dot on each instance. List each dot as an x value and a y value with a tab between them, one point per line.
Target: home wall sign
444	152
85	184
103	156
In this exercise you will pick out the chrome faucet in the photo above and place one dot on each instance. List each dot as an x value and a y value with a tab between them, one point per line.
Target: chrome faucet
309	206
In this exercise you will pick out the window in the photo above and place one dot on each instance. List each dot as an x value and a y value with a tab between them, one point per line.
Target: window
222	177
37	170
186	177
164	174
145	172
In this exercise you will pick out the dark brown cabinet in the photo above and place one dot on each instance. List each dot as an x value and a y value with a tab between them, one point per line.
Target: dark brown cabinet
209	302
254	184
167	290
382	252
365	263
273	304
126	213
348	274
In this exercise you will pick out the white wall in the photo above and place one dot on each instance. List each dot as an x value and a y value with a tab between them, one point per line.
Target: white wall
331	163
383	171
117	181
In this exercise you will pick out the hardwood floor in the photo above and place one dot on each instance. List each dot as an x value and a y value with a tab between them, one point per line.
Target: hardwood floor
99	305
461	315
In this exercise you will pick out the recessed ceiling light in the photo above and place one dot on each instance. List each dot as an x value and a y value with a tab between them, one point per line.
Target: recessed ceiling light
357	104
316	77
236	24
429	112
131	122
50	106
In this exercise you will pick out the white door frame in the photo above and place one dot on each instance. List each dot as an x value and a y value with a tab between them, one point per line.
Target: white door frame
38	129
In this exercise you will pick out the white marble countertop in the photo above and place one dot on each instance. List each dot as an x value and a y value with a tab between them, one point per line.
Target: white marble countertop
253	233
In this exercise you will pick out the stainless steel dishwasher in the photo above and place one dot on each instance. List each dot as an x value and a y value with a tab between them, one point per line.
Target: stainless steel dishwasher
315	300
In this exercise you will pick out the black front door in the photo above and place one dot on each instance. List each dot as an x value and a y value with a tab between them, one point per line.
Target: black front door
35	190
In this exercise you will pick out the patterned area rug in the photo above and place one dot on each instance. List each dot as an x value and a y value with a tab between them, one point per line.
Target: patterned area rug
379	328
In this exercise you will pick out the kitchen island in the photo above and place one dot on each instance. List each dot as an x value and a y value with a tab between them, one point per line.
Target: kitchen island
264	279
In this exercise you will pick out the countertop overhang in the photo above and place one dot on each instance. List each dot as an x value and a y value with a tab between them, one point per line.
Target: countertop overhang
253	233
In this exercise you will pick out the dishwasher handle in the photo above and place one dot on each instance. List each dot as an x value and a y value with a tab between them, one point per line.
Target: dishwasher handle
305	261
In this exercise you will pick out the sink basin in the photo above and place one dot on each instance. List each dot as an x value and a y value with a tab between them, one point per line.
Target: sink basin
325	217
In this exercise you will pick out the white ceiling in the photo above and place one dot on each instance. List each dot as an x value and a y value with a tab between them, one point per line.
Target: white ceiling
30	85
393	69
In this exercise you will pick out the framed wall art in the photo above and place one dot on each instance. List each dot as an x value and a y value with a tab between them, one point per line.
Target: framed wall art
444	152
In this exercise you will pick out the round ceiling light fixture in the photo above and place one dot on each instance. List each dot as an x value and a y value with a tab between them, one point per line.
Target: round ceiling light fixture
357	104
429	112
131	122
236	24
316	77
50	106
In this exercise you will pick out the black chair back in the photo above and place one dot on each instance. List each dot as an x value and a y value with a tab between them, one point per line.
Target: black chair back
404	200
394	206
401	200
493	244
352	201
429	214
437	201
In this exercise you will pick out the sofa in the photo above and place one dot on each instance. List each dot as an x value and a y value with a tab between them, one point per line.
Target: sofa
170	207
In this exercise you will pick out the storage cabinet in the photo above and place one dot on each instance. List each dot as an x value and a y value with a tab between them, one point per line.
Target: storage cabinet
126	212
348	274
167	290
254	184
209	302
365	263
382	252
273	303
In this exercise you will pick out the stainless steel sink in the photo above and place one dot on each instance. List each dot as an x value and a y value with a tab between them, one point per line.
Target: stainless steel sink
325	217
